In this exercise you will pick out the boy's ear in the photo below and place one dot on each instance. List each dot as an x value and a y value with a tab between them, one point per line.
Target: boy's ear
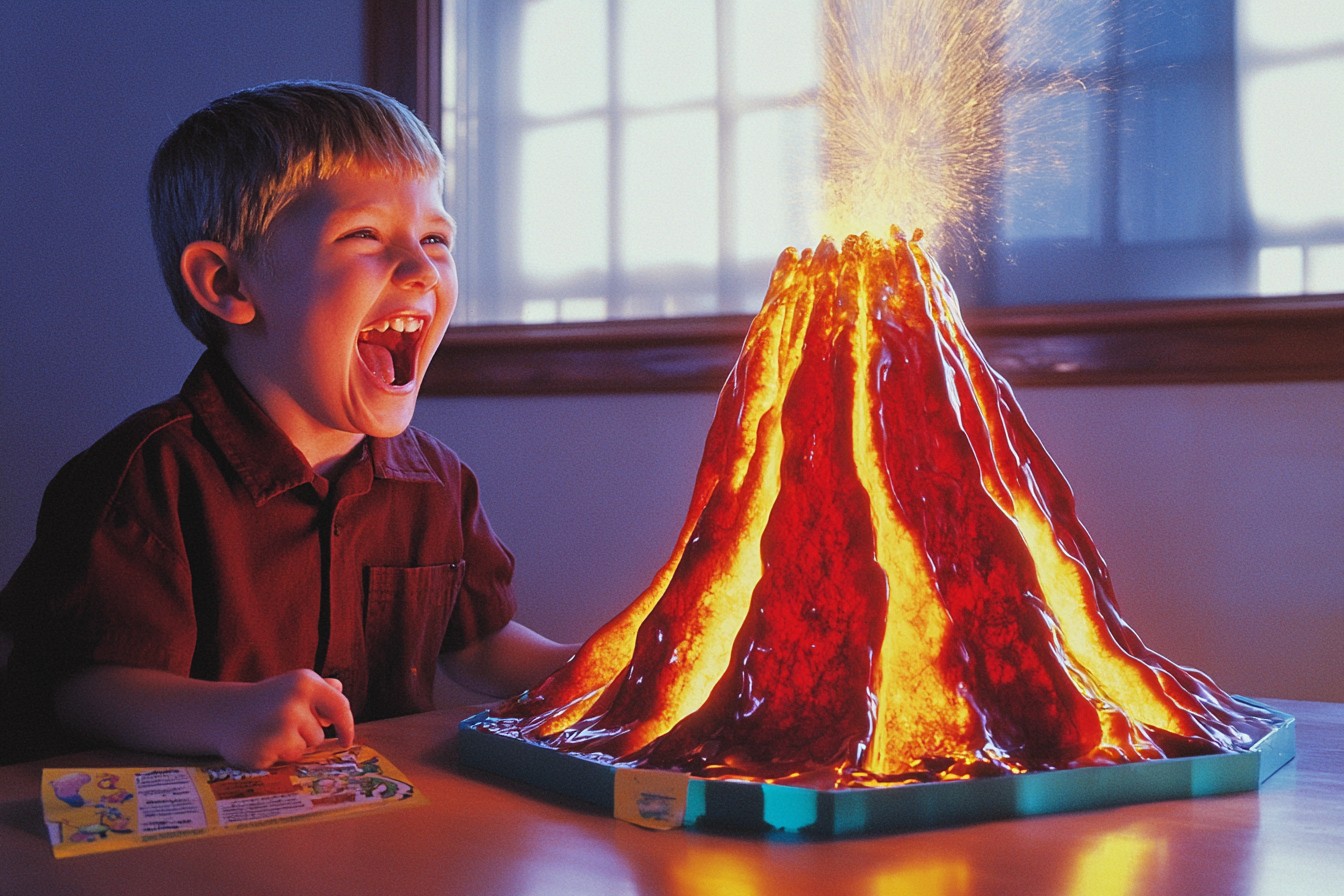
211	273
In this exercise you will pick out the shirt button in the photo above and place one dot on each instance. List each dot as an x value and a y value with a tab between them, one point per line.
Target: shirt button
336	529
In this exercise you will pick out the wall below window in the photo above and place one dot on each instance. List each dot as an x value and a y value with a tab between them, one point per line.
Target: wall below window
1220	508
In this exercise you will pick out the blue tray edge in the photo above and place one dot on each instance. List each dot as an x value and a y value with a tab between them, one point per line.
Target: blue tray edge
752	806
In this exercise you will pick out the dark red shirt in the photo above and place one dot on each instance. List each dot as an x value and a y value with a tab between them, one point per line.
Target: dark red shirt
194	538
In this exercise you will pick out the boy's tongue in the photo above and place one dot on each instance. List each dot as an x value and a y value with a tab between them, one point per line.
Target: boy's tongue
378	358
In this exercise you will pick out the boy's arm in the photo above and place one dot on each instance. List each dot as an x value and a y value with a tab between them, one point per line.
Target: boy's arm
508	662
251	725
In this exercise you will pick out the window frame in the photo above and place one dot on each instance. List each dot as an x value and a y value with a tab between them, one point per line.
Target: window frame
1293	338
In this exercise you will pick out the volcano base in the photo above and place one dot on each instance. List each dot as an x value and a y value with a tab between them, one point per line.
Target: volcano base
752	806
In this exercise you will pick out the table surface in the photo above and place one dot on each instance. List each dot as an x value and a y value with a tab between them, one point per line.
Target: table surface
484	834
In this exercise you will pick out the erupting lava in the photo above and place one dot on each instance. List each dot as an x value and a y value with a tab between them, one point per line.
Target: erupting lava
881	578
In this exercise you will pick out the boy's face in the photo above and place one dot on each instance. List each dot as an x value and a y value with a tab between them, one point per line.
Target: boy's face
352	297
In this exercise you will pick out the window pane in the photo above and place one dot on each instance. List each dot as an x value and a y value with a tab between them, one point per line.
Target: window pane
1325	268
540	311
1057	34
669	299
775	49
1292	118
562	57
1281	271
1051	182
583	309
1277	25
669	190
563	200
667	52
1176	31
778	189
549	311
1176	145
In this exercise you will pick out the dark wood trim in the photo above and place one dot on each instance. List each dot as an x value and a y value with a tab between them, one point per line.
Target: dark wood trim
403	54
665	355
1188	341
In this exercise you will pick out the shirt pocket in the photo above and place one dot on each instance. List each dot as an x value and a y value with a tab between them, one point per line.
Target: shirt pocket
405	620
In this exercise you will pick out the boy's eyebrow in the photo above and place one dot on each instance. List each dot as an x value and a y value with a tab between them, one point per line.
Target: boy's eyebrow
449	223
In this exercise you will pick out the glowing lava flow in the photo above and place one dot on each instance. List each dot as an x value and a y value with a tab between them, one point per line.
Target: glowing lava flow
881	578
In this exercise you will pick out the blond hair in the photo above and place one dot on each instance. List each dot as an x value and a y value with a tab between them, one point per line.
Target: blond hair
227	170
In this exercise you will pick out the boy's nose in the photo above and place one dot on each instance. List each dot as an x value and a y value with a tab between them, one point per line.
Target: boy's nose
416	270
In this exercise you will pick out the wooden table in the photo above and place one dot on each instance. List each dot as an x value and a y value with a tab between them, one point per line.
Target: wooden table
482	834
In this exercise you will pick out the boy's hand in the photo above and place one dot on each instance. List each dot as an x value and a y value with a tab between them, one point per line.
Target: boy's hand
253	725
281	718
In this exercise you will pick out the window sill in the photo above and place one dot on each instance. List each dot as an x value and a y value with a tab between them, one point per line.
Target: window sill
1188	341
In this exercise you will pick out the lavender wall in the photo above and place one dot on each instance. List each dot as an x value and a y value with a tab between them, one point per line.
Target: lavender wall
87	91
1219	508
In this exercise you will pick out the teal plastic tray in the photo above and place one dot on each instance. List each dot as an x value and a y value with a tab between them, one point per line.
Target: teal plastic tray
749	806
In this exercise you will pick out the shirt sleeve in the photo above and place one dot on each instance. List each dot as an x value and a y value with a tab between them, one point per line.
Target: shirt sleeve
101	584
95	588
485	602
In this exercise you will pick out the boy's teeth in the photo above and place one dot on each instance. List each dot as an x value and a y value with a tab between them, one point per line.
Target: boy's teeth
400	324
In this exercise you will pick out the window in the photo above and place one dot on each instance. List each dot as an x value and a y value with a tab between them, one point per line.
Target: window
1125	131
1291	73
1193	153
635	159
630	200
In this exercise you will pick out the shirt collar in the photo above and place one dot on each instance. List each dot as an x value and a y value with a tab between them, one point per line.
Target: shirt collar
402	458
262	455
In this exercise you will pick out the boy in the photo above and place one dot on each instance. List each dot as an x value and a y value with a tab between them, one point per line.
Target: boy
273	551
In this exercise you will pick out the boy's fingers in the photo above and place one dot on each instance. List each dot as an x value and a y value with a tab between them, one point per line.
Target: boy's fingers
311	731
336	683
333	709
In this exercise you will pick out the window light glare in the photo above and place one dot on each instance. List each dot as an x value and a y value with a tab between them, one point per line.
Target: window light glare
667	52
1325	268
563	200
1292	117
687	305
567	311
669	196
540	311
777	181
1281	271
583	310
775	50
1275	26
562	61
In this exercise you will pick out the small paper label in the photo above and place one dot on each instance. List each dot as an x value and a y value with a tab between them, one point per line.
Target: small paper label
651	798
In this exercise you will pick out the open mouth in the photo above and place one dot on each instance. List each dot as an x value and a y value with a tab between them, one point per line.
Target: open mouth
388	348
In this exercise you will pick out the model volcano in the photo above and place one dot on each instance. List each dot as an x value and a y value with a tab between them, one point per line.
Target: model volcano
881	578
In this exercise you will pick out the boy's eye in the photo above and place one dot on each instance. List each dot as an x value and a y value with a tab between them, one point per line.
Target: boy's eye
365	234
436	238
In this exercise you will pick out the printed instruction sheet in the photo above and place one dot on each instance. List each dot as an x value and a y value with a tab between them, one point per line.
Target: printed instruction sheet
91	810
